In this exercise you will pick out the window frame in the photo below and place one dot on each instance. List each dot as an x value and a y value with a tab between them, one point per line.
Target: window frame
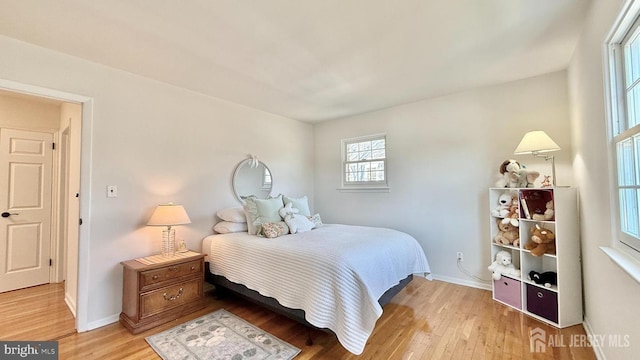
625	29
364	185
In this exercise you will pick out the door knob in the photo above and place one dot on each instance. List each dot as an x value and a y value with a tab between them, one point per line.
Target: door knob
7	214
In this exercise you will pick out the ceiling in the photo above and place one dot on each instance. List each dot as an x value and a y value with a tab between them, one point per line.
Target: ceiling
310	60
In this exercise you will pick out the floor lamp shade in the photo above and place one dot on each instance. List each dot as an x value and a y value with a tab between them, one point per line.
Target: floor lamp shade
169	215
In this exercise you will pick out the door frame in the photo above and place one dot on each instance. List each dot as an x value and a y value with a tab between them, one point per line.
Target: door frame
82	305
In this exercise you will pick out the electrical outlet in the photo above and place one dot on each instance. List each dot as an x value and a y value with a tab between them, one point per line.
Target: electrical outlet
459	256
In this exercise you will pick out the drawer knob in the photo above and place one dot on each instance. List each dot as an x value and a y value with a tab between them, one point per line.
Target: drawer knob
173	297
193	268
540	295
155	277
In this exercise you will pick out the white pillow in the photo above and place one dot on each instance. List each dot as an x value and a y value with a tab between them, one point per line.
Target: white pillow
225	227
261	211
234	214
302	204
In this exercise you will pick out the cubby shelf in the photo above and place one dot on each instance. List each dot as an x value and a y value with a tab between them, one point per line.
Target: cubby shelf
561	304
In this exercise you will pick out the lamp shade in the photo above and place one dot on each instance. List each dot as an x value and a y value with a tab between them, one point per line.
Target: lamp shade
536	142
168	215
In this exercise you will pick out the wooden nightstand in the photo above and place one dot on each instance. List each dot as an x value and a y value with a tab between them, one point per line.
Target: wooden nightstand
161	290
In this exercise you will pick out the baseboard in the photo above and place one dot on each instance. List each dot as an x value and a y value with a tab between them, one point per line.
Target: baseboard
474	284
103	322
597	350
70	304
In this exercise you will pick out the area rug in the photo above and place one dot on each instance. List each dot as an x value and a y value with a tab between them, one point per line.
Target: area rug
217	336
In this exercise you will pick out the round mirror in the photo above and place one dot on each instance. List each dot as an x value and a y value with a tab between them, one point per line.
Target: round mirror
251	180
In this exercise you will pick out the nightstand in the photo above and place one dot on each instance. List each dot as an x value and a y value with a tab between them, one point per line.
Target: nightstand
158	289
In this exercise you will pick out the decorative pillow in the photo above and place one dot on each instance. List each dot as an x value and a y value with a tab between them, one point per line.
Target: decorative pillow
302	204
274	229
225	227
260	211
234	214
315	218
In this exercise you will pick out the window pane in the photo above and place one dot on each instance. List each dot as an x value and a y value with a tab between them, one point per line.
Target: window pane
377	144
377	165
377	175
629	211
352	147
365	145
365	155
378	154
352	156
626	164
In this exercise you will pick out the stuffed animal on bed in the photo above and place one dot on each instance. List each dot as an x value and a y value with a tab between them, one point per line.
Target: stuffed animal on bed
296	222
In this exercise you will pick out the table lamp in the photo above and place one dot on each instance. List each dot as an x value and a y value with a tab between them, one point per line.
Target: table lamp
538	142
169	215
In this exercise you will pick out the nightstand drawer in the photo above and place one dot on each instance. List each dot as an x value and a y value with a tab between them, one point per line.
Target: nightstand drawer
163	299
152	278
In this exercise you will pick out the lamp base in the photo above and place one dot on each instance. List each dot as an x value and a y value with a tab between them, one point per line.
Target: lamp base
168	242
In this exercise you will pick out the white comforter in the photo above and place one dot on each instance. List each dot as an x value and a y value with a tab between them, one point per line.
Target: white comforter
335	273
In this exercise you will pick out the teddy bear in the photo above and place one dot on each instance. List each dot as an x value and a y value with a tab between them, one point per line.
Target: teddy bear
507	234
548	213
515	175
296	222
543	241
504	202
503	266
511	217
547	278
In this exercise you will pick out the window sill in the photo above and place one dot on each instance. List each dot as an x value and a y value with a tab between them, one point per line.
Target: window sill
625	261
380	189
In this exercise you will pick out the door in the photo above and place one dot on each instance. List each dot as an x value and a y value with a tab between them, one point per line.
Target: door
26	159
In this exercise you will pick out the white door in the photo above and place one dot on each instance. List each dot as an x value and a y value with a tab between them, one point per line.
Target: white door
25	204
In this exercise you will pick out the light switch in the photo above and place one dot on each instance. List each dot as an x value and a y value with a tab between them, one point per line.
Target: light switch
112	191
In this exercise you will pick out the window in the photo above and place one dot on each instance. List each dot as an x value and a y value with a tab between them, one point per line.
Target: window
624	125
364	161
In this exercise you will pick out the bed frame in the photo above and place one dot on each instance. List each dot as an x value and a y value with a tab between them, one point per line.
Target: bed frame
223	286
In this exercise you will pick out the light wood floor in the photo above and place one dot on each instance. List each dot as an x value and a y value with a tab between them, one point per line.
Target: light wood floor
426	320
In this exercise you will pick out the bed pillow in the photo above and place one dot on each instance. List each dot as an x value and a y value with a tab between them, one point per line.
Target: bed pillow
260	211
302	204
274	229
225	227
233	214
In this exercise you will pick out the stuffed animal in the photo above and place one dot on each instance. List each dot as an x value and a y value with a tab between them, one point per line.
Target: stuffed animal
548	213
546	278
504	202
511	217
515	175
543	241
296	222
507	234
502	265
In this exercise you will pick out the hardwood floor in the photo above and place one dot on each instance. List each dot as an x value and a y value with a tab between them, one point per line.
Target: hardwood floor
426	320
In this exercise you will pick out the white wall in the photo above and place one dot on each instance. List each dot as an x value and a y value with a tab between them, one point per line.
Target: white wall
158	143
610	295
443	155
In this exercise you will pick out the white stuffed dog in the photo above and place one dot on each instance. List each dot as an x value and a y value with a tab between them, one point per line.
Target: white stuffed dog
295	222
503	265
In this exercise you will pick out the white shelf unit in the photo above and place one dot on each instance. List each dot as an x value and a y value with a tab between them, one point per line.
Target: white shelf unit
561	305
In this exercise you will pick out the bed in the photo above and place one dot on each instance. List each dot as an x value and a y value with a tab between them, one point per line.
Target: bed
335	277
